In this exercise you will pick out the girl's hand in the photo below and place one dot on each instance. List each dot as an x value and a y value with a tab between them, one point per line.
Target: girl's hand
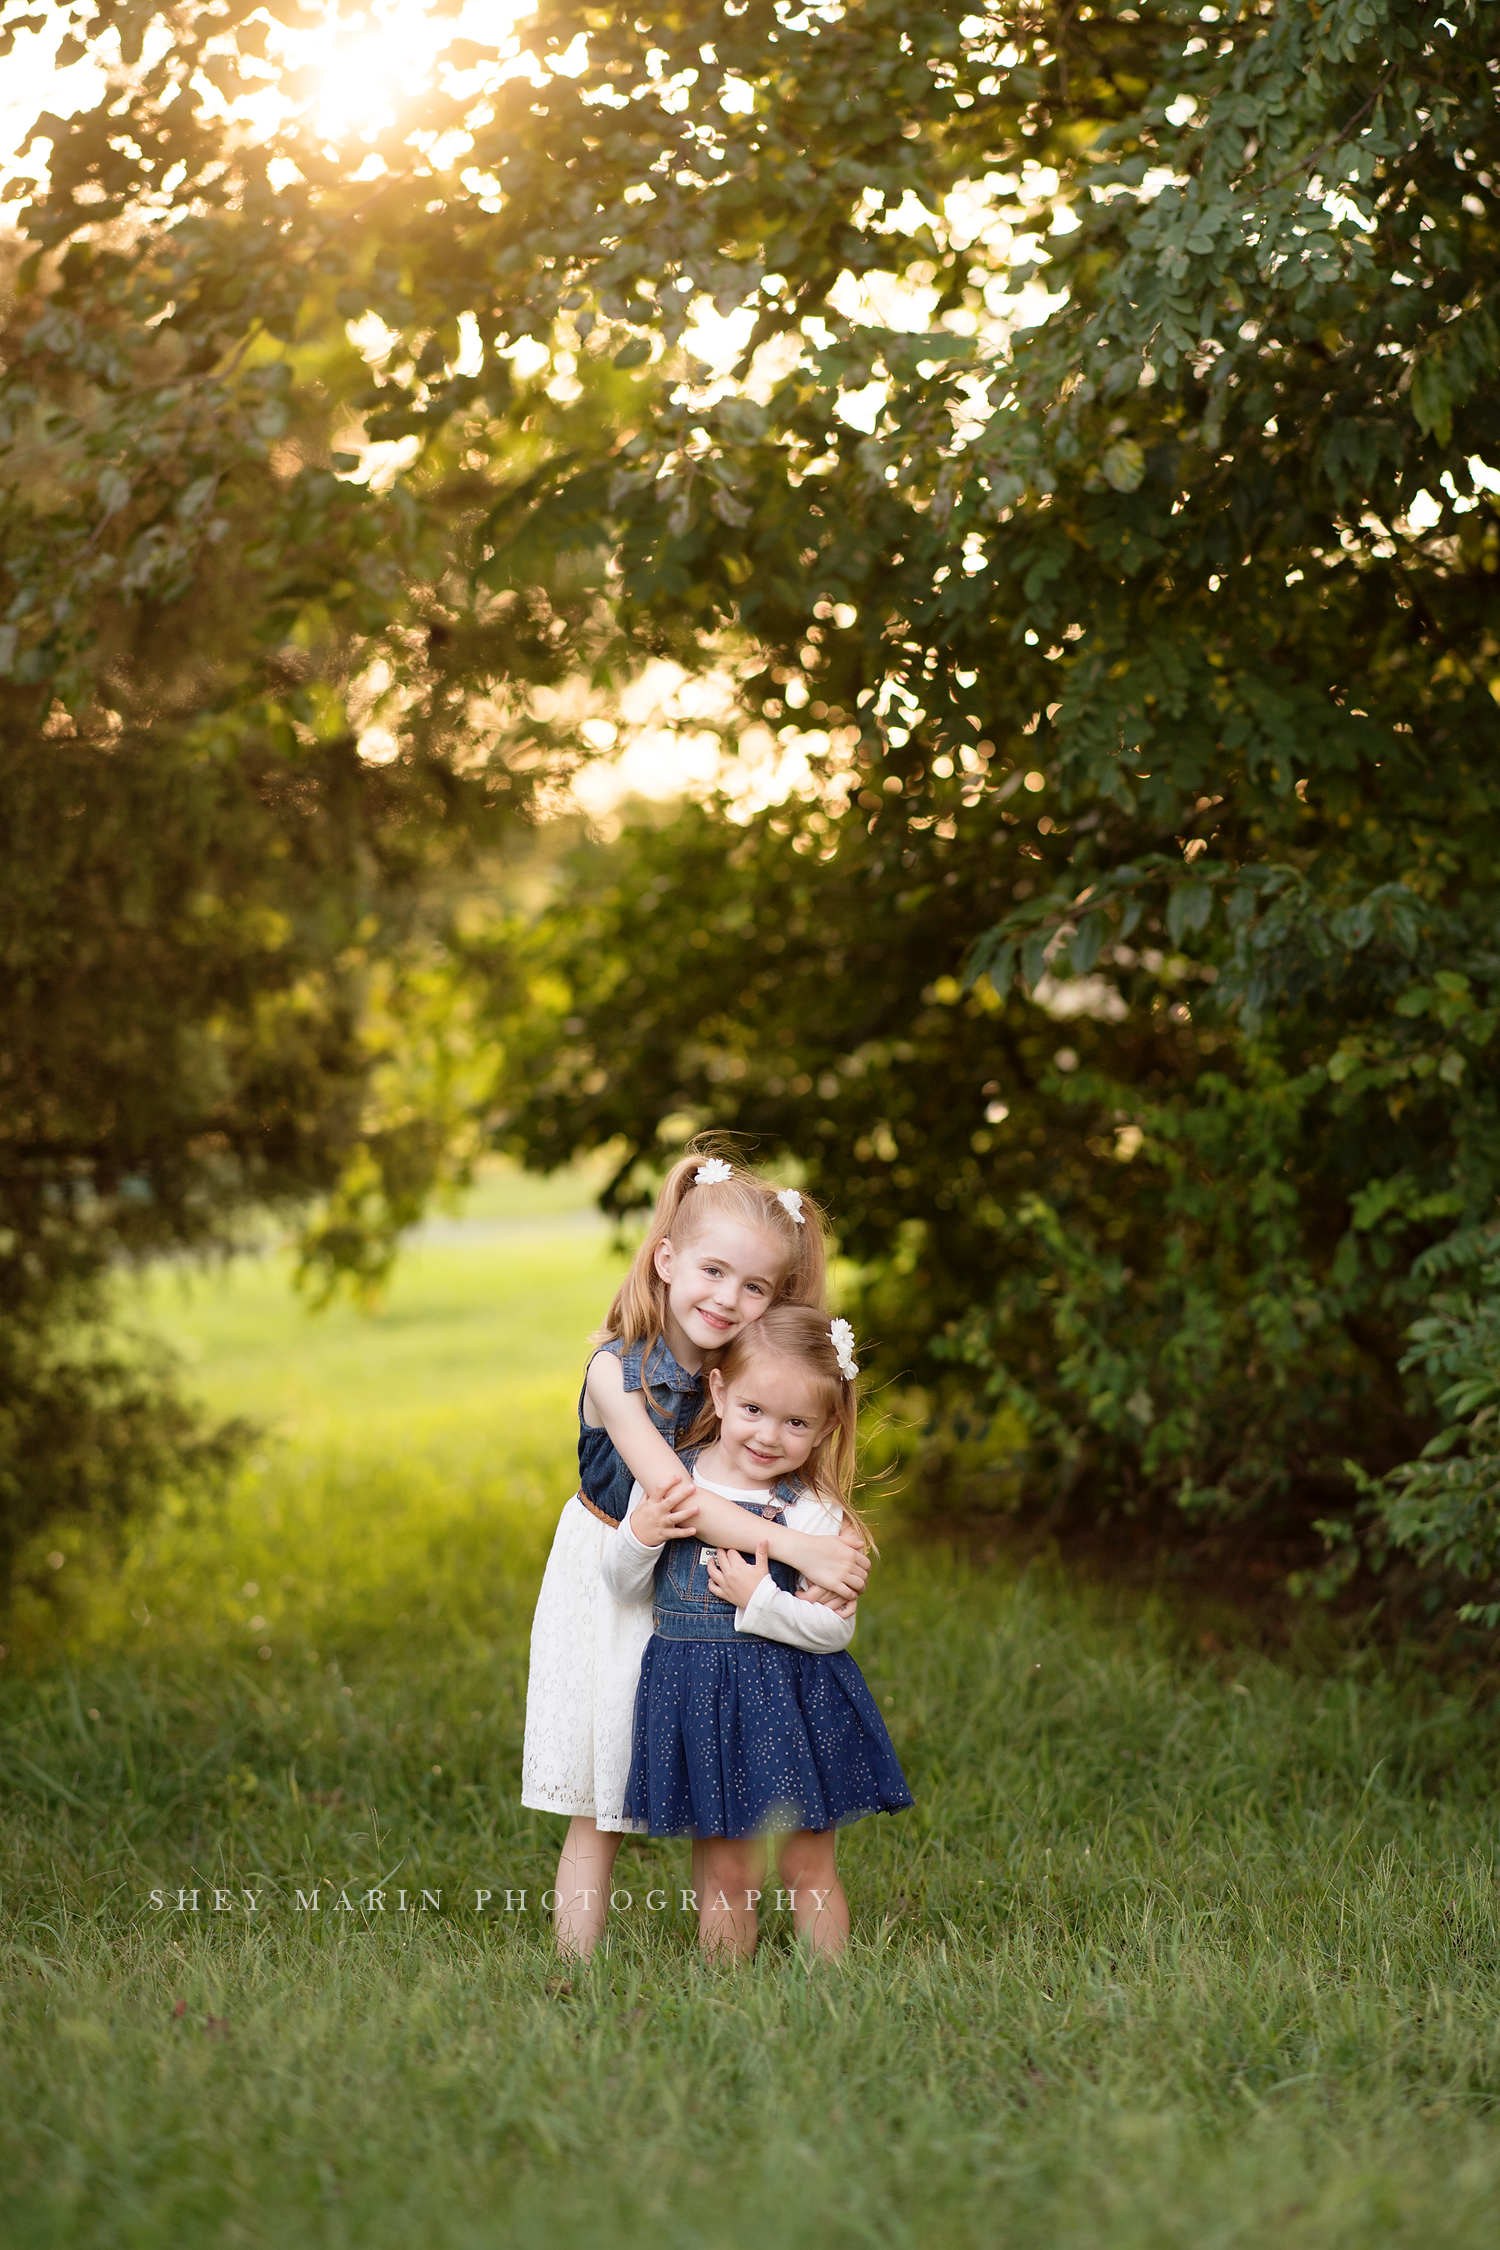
672	1514
835	1563
676	1486
835	1602
732	1578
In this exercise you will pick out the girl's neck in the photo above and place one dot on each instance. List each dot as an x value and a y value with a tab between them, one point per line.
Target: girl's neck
711	1464
686	1353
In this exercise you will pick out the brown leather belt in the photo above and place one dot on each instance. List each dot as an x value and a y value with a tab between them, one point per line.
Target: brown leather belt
585	1502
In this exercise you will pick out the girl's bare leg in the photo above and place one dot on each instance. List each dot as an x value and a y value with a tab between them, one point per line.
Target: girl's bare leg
807	1868
583	1876
731	1870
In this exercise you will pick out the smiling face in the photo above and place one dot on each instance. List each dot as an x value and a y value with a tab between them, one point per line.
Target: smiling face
718	1281
770	1418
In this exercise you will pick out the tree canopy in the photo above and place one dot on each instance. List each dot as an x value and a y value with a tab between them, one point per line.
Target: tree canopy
1103	501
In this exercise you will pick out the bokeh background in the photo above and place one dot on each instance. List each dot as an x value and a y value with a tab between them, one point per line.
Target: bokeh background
915	587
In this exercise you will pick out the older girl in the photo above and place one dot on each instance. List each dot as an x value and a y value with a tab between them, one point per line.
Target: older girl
750	1714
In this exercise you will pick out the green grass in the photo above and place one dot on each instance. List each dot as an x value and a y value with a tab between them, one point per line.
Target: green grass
456	1355
1172	1951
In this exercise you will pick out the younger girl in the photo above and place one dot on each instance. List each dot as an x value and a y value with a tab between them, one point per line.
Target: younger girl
721	1247
750	1713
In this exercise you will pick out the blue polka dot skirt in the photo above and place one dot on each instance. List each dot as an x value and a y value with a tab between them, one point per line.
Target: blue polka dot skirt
734	1737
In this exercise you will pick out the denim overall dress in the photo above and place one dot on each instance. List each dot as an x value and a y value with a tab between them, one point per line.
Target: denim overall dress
672	1397
735	1733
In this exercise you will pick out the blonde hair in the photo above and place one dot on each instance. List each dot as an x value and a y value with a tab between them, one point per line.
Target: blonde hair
801	1335
684	1209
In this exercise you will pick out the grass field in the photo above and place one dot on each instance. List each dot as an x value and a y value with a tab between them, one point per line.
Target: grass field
1175	1950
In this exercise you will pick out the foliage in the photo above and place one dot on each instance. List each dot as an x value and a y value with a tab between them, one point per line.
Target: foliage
91	1427
1446	1502
213	946
248	743
1041	1204
1207	550
1172	1943
1210	562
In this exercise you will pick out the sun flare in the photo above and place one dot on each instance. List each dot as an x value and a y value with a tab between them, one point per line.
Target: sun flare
369	64
376	60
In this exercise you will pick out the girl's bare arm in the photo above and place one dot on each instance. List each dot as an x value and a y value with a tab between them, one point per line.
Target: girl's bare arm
632	1433
821	1591
829	1562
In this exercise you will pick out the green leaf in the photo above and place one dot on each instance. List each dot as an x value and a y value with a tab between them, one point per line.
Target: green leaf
1034	958
1189	908
1432	396
1087	941
995	958
1123	465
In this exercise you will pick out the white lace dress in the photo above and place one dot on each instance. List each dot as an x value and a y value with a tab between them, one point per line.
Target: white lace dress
586	1651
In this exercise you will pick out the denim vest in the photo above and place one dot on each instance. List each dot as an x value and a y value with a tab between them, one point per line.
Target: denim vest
673	1398
682	1607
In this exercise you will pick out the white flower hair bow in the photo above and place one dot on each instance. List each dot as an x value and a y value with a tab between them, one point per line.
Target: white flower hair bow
841	1336
710	1174
791	1201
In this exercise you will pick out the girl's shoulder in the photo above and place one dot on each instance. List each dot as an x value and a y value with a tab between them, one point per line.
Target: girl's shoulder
630	1356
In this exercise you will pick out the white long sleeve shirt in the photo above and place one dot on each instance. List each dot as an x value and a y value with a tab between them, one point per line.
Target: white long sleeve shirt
629	1566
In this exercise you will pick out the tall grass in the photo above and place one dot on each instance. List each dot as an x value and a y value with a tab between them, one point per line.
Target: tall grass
1172	1950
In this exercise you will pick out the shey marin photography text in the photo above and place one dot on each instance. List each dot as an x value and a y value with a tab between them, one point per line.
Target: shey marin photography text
488	1900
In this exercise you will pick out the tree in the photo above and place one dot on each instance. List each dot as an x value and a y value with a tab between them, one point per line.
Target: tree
219	969
1205	551
1213	573
247	741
